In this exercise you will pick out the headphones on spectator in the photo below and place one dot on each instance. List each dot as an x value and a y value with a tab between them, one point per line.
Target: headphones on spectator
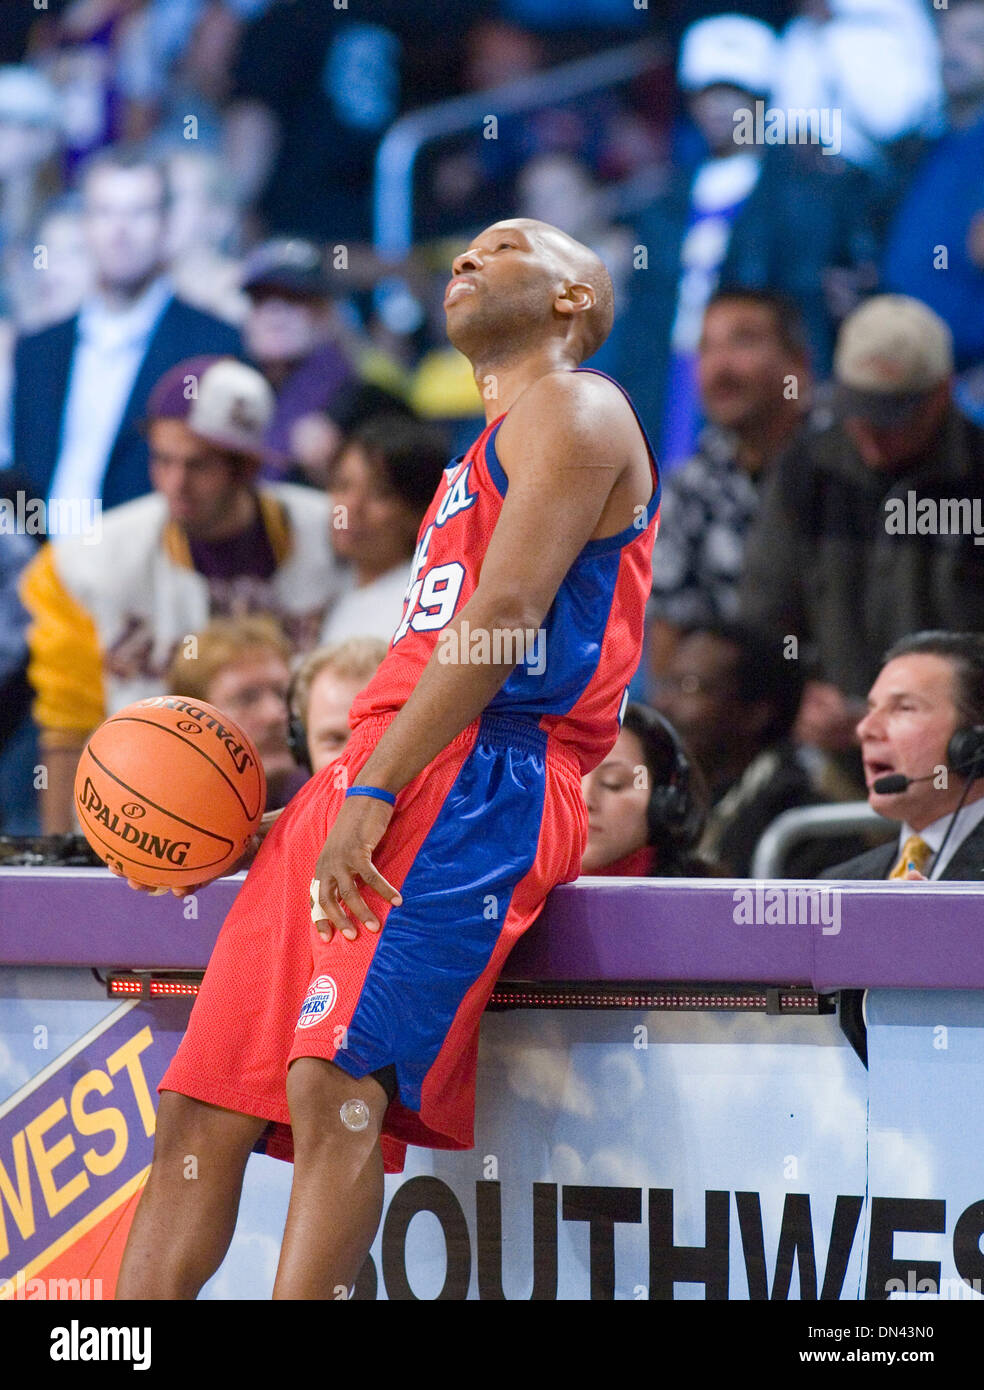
672	808
670	804
296	731
965	751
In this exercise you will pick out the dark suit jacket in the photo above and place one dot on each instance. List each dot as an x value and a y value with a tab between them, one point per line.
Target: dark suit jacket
42	368
821	564
966	863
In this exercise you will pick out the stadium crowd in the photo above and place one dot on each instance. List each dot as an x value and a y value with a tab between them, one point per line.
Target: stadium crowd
227	413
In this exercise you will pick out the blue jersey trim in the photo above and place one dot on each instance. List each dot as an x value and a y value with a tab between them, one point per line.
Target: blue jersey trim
499	479
574	630
604	543
622	538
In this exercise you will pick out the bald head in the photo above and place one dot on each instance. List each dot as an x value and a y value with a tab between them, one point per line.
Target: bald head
523	280
582	268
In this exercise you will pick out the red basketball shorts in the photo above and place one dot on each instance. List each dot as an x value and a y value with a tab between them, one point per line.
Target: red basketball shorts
476	842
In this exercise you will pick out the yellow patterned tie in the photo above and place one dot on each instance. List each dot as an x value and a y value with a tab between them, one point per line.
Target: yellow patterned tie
915	851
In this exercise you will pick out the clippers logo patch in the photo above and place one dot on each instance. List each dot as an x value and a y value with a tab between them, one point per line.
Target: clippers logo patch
318	1002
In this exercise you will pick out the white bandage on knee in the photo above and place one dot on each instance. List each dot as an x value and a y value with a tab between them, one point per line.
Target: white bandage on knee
354	1115
318	914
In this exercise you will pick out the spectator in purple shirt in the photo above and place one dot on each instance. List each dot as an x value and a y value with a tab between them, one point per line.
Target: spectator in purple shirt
113	601
318	367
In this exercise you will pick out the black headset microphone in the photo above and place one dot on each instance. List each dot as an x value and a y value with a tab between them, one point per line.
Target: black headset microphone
964	755
296	730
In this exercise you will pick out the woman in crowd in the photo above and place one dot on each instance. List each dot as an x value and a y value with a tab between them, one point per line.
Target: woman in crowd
646	804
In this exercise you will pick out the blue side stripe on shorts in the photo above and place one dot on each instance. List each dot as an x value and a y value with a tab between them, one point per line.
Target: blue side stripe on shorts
455	899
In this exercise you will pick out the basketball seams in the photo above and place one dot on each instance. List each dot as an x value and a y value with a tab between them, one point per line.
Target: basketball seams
173	848
141	796
182	870
153	724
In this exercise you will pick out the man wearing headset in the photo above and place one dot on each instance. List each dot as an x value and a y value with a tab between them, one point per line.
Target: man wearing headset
922	745
320	696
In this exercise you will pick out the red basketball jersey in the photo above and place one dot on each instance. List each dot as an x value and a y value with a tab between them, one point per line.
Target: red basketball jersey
572	674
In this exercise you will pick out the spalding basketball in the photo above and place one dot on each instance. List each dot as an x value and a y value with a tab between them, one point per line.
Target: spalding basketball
169	791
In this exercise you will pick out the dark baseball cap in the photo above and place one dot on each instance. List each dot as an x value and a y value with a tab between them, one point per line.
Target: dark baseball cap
290	264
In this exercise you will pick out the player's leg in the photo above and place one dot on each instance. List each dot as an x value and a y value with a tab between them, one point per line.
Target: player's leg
187	1213
337	1195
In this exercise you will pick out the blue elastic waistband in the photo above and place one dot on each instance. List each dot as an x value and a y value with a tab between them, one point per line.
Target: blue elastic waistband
513	731
495	730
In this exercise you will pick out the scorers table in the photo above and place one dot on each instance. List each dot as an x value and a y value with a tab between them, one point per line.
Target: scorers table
673	1099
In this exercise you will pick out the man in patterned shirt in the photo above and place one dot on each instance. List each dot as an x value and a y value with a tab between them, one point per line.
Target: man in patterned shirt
754	383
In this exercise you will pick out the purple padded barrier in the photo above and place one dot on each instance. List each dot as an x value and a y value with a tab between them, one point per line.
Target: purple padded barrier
90	917
890	935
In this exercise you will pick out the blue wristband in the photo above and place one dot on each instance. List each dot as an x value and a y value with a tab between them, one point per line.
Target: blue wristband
372	791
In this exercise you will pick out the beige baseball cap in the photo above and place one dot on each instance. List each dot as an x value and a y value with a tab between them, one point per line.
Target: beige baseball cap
220	399
892	351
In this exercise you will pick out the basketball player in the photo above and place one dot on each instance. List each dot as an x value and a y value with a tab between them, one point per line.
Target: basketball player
338	1020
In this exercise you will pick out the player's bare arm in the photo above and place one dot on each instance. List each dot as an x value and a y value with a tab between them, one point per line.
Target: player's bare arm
577	468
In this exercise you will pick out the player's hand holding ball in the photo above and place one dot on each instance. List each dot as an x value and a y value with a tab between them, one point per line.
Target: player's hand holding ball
170	792
252	849
347	855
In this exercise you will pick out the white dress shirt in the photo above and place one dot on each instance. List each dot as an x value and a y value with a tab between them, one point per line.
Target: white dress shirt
369	610
109	350
968	819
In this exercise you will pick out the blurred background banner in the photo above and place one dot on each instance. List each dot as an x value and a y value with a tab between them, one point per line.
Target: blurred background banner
77	1082
619	1154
